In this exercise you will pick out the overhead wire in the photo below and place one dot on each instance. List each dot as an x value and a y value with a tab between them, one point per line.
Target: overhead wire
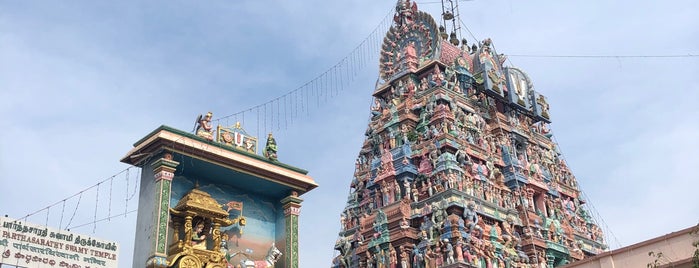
592	207
689	55
104	219
79	193
129	195
597	217
352	63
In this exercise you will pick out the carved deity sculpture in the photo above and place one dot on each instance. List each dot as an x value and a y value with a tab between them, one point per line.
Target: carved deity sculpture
438	214
459	250
418	258
380	257
508	233
429	258
437	77
271	148
392	257
396	191
406	186
404	257
544	106
470	217
411	60
449	252
463	75
377	108
204	128
404	12
198	237
423	84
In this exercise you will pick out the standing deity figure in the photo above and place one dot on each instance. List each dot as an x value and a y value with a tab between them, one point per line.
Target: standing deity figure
411	60
430	189
417	258
508	234
490	166
392	257
416	194
438	256
380	257
429	258
271	148
204	128
542	260
395	137
343	220
459	250
369	260
449	252
406	187
396	191
404	257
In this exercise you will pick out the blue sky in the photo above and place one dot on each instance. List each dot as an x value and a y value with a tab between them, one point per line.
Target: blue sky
81	81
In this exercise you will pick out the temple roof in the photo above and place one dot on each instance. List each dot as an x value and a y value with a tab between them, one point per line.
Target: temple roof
202	203
221	163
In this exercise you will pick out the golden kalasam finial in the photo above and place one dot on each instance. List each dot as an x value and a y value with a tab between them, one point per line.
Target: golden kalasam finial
237	124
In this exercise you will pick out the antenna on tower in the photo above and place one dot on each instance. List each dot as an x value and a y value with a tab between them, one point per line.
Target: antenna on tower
450	12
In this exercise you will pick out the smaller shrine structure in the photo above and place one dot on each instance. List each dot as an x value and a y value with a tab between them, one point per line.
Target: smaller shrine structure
209	200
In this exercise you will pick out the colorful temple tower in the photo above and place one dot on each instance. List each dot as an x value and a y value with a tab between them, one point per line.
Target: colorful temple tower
459	168
209	200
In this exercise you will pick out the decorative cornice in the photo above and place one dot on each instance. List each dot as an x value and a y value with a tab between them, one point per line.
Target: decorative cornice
176	141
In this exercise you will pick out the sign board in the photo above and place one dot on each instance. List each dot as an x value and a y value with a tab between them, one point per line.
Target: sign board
26	244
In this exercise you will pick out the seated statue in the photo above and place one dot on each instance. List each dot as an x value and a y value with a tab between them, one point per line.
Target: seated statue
470	216
198	237
204	128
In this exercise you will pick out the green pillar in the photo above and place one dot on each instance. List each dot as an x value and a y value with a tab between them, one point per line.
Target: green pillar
163	172
292	209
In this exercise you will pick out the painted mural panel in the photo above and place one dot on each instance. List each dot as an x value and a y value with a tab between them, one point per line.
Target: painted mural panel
251	240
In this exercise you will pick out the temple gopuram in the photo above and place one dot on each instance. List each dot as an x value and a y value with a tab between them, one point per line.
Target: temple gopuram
459	168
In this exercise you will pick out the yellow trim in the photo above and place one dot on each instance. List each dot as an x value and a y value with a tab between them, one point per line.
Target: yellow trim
177	139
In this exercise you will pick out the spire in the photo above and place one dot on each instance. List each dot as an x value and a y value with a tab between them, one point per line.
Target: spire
459	165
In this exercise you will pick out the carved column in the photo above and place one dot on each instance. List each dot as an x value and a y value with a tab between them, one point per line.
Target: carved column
292	209
163	172
216	234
